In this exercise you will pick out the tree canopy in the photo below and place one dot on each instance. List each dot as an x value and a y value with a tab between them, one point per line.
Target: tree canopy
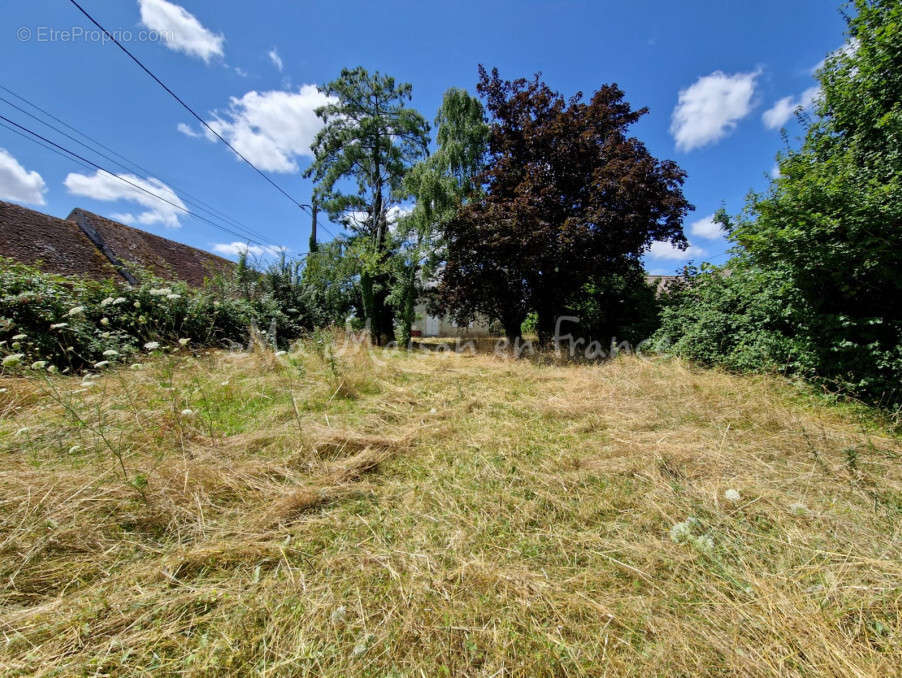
565	195
369	141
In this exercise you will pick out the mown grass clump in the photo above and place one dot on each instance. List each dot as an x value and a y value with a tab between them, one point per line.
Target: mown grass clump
404	514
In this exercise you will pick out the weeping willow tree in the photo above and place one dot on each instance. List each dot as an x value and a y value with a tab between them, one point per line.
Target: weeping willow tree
440	184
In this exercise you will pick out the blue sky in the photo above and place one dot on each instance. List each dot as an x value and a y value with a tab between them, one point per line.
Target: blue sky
719	78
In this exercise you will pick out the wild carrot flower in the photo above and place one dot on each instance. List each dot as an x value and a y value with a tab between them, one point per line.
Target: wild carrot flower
101	364
187	412
58	326
104	321
111	353
78	310
107	301
137	366
152	345
13	359
20	337
184	342
732	495
173	297
38	364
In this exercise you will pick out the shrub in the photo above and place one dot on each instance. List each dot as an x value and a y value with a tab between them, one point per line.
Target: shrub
71	323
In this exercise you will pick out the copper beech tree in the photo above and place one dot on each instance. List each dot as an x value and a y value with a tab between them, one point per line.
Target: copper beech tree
566	197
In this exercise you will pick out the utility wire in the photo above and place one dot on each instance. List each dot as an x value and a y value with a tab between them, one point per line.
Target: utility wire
200	204
86	161
186	106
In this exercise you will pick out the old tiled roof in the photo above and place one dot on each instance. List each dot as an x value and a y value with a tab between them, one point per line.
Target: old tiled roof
166	258
55	245
89	245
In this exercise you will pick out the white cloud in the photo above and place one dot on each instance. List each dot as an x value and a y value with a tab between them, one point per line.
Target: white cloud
777	115
276	59
17	183
661	249
102	186
187	130
775	171
706	228
274	128
709	109
180	30
233	249
392	215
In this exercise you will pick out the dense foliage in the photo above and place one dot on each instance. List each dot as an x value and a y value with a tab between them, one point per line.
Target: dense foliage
567	198
370	138
815	286
58	323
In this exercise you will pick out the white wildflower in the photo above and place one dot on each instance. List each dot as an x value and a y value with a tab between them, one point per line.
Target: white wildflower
13	359
705	543
732	495
184	342
52	369
78	310
107	301
173	297
38	364
152	345
104	321
74	449
105	335
20	337
2	390
362	645
111	353
681	532
101	364
160	291
338	614
224	383
137	304
119	300
187	412
137	366
281	352
58	326
798	508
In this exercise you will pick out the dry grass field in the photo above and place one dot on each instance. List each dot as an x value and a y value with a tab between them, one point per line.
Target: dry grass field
429	514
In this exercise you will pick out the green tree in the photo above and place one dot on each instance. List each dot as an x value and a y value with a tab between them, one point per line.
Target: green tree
832	219
566	196
368	143
441	184
814	285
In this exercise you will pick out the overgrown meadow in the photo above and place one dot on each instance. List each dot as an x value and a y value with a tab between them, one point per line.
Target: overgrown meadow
357	511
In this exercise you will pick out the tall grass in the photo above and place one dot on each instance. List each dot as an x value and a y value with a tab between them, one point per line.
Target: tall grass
327	513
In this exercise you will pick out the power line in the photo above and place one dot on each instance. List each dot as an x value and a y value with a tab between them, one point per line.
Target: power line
248	232
186	106
86	161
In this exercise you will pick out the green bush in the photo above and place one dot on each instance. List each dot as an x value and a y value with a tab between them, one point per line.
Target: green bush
61	323
746	318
